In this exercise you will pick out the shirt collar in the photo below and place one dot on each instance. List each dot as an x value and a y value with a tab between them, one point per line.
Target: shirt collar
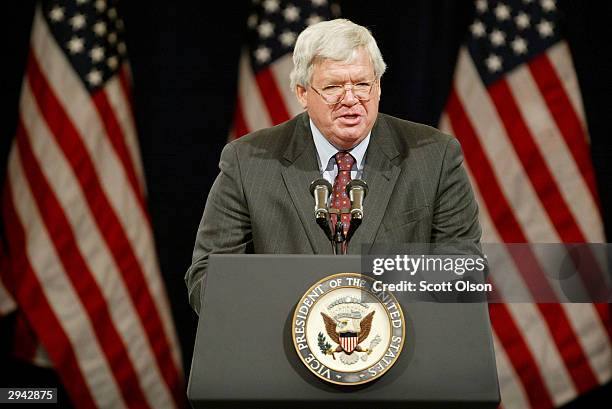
325	150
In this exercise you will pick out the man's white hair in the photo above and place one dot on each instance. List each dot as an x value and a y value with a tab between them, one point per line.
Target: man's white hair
337	40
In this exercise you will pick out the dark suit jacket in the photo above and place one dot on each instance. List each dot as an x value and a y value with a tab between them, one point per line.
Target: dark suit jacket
260	202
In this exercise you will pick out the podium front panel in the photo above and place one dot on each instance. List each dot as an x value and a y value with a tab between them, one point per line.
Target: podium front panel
244	354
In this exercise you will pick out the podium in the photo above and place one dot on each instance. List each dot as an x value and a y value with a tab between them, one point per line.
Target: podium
244	355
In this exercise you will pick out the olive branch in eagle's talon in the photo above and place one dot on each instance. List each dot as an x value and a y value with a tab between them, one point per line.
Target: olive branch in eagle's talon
325	346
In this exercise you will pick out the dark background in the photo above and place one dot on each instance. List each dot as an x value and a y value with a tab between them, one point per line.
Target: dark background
184	58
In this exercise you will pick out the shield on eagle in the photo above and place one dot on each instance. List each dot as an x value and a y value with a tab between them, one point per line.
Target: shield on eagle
348	341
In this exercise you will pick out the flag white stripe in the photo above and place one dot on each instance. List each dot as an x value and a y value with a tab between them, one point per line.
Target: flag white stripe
508	281
7	304
560	57
554	373
281	70
556	154
60	293
123	113
593	338
94	250
511	390
253	106
509	173
41	358
78	105
489	232
551	260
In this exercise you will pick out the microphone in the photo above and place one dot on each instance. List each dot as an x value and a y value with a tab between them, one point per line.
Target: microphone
356	190
321	189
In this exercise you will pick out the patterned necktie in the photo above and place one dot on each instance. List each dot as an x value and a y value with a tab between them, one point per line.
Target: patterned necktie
340	199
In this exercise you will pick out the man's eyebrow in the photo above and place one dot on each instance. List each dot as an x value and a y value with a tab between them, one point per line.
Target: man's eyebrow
340	80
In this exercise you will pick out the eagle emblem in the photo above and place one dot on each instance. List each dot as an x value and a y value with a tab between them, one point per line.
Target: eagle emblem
345	332
348	326
348	333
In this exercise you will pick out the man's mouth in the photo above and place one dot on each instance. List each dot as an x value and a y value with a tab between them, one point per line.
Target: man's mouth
350	118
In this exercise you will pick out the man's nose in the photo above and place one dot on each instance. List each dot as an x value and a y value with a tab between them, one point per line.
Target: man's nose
349	98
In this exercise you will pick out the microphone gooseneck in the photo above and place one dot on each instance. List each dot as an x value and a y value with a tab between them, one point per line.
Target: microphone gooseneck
321	190
356	189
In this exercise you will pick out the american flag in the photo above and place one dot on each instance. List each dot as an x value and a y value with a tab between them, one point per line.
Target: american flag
515	105
80	258
7	303
264	98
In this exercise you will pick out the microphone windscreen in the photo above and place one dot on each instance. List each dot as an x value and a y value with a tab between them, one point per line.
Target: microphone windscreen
357	183
320	182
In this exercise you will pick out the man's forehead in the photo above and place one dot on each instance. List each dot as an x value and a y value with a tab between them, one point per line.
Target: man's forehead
334	68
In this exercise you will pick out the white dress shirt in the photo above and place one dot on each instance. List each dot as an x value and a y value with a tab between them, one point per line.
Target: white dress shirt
326	152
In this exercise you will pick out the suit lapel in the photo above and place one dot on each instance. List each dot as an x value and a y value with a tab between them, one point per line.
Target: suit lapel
381	175
299	170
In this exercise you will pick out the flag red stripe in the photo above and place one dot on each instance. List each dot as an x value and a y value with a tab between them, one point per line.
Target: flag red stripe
565	116
497	205
520	357
555	317
25	341
532	274
603	309
272	96
574	357
592	277
108	224
77	270
534	164
590	271
124	83
240	126
516	349
117	139
34	304
126	89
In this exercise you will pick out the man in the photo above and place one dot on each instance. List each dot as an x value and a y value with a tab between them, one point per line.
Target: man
260	202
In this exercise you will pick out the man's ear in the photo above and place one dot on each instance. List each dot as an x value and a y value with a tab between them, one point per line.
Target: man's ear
301	94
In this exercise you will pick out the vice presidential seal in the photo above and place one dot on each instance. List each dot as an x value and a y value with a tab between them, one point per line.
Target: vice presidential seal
345	332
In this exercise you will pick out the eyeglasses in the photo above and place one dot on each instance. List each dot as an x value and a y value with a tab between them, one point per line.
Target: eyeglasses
333	94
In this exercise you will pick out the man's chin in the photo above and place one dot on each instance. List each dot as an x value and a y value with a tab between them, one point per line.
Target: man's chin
348	141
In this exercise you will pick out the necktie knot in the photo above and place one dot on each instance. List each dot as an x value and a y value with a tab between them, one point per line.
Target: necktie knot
345	161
